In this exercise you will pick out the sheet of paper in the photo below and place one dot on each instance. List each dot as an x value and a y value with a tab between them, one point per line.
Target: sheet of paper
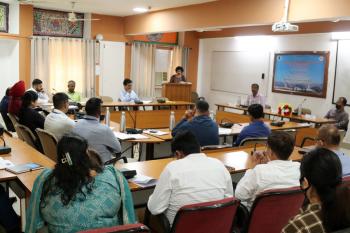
225	131
143	181
5	163
125	136
304	124
155	132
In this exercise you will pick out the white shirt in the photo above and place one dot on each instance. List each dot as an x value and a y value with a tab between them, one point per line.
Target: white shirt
275	174
128	96
43	98
193	179
258	99
58	123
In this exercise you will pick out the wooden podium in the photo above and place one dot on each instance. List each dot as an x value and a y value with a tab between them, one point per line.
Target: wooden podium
177	91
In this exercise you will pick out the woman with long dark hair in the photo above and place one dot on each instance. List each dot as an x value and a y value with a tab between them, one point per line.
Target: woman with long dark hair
27	115
79	193
327	207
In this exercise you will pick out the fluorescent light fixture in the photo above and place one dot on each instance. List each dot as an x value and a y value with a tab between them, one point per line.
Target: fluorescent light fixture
140	9
340	35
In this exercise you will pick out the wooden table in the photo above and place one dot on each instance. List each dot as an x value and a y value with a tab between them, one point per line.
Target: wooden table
238	158
21	153
149	141
317	121
237	128
170	104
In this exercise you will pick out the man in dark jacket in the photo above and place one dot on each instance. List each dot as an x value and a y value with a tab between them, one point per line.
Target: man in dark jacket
200	124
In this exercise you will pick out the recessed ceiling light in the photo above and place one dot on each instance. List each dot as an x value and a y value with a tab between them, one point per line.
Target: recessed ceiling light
140	9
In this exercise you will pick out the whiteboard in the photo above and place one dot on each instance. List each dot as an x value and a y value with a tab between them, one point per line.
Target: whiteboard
235	71
342	77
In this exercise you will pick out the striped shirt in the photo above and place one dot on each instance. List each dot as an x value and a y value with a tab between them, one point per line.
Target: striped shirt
308	221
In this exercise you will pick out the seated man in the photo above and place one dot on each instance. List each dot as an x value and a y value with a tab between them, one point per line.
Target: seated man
37	86
255	97
100	137
328	137
271	169
200	124
257	127
192	178
72	94
338	114
57	122
128	95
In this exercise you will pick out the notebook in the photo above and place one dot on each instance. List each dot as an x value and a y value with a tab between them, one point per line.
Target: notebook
27	167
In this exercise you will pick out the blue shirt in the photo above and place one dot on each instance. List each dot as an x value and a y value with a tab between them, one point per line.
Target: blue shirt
345	162
100	137
203	127
128	96
255	129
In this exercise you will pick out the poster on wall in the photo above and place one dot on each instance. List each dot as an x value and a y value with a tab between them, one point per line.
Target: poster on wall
301	73
4	17
55	23
169	38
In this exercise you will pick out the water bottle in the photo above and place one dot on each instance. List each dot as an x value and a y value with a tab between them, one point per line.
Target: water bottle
108	117
122	123
299	109
239	101
211	115
172	121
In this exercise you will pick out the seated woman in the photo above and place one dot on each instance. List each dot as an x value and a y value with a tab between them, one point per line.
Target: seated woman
327	206
27	115
79	193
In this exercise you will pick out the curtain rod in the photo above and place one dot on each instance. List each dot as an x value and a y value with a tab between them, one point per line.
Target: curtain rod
158	45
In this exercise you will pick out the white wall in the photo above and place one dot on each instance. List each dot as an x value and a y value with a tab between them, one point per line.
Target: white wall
302	42
9	64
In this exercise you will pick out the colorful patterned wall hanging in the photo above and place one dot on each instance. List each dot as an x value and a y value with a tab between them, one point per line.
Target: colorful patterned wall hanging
159	38
55	23
4	17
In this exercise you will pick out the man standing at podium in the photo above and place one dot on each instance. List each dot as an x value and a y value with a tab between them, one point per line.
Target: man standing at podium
128	95
178	77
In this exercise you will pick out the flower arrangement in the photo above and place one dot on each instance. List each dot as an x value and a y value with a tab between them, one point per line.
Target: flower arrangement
285	110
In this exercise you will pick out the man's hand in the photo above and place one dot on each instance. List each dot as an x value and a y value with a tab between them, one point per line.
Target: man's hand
259	157
188	114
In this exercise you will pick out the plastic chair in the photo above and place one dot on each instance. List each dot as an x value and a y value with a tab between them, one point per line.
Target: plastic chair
129	228
26	134
206	217
272	209
48	142
253	141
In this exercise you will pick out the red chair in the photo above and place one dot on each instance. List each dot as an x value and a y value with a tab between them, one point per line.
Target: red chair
346	180
273	208
206	217
130	228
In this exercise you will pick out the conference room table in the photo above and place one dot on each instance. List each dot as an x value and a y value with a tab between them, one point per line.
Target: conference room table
303	118
236	159
237	128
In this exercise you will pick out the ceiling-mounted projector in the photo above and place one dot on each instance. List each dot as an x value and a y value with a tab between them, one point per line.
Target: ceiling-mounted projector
284	27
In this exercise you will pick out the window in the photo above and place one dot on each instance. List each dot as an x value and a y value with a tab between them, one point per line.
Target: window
162	61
